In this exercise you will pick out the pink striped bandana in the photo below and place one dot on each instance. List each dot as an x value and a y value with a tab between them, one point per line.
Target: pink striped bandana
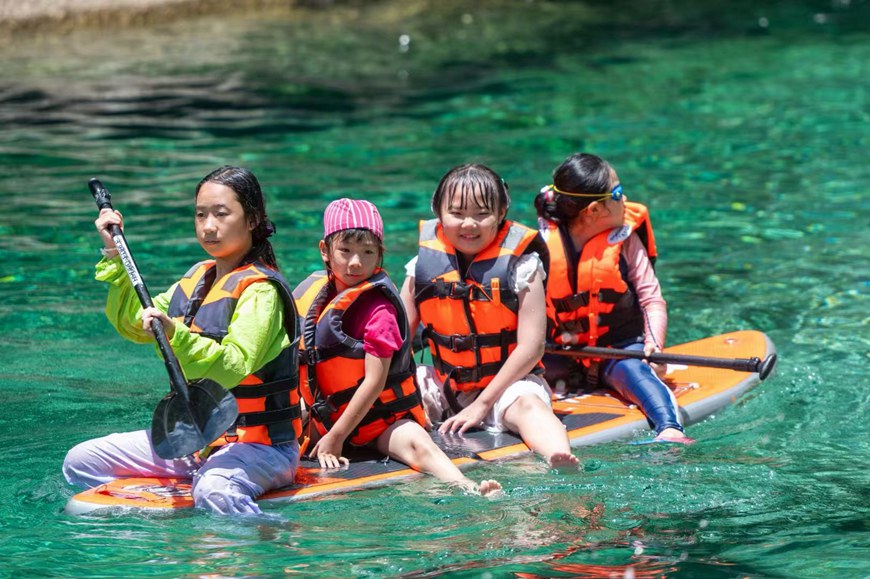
352	214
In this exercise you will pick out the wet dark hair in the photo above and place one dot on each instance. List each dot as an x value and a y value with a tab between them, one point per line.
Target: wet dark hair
579	173
249	194
356	236
476	183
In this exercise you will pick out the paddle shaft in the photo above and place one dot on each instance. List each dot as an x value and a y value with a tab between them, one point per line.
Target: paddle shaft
173	367
762	367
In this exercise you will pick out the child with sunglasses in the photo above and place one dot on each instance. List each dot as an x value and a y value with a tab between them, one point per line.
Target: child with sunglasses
602	289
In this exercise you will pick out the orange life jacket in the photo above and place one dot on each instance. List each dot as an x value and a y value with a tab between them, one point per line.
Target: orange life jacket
589	297
470	321
333	363
268	399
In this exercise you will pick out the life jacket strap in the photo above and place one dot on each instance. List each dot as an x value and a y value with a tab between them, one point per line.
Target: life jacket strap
339	399
383	410
450	396
264	389
308	357
581	300
465	342
320	412
441	289
323	408
266	417
344	348
620	327
571	303
592	373
578	326
463	374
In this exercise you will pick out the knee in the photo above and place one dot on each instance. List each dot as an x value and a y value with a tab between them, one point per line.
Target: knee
224	502
422	448
70	466
220	494
527	404
624	374
78	467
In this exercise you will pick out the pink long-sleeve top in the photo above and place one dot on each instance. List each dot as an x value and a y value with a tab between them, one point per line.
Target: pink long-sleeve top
649	292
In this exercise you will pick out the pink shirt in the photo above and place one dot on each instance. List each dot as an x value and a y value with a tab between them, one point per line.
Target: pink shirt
649	292
374	320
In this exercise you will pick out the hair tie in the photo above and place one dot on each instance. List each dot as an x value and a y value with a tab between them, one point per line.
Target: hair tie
549	193
268	229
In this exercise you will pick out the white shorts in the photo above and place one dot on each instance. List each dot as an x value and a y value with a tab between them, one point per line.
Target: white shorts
438	409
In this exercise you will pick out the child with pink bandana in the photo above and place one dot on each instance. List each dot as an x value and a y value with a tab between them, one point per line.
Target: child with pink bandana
358	376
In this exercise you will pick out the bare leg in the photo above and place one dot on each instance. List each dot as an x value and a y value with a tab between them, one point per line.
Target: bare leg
541	431
406	441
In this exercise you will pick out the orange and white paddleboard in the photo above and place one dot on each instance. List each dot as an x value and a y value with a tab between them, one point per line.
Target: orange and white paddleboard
591	418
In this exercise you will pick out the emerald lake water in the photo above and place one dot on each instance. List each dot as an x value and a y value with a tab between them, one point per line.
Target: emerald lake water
742	125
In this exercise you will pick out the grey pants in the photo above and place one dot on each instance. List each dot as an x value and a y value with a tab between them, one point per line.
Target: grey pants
227	482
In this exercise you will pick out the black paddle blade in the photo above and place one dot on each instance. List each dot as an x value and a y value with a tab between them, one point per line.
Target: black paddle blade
180	428
174	432
767	367
214	407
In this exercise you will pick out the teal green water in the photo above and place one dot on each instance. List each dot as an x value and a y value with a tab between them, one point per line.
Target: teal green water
743	126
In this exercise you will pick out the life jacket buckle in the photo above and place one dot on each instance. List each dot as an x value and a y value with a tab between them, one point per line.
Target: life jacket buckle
322	410
460	290
578	301
443	289
308	356
461	343
467	374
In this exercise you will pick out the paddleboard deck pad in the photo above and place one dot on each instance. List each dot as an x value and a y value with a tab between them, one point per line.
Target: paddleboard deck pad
591	418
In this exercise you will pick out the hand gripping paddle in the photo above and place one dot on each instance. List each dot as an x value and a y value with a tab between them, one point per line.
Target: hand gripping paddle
192	415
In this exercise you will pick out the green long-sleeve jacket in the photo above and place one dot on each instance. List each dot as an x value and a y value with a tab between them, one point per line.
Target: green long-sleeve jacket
256	333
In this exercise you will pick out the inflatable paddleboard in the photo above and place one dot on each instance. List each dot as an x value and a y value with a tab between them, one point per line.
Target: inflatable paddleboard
590	418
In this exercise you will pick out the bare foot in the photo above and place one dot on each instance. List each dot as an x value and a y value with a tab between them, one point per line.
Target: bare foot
673	435
563	461
669	433
485	488
489	488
